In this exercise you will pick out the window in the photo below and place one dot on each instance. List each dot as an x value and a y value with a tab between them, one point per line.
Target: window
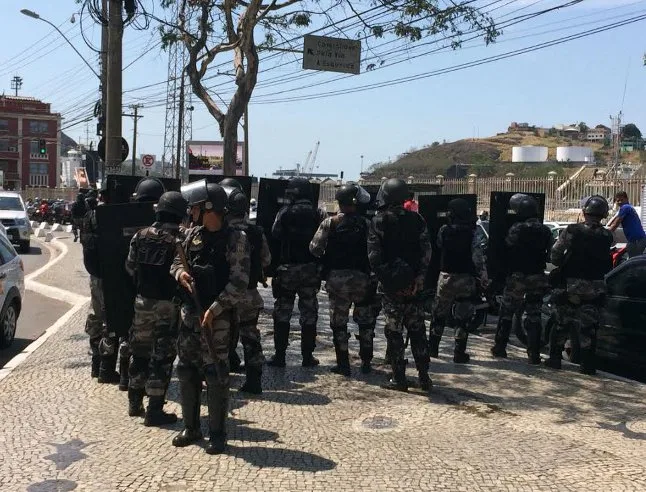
4	144
36	127
12	203
38	180
7	253
4	125
38	168
4	166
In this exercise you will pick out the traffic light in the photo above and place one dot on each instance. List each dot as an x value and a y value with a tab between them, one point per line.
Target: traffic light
42	147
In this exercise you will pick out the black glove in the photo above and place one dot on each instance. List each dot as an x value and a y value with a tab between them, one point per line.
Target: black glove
202	270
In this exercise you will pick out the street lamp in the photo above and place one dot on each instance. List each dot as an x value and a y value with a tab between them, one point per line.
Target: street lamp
34	15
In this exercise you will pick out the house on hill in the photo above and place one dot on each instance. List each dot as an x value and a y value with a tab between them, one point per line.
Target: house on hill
599	133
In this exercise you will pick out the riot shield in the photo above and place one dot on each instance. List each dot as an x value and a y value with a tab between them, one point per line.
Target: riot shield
116	226
121	187
434	210
501	218
245	181
270	200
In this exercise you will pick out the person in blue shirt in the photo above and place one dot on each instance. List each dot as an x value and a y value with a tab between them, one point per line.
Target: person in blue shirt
628	219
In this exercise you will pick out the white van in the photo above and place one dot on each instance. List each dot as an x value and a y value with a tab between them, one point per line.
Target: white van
14	218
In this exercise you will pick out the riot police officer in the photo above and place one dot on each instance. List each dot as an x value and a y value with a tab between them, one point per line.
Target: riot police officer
298	273
462	265
528	244
153	335
582	252
147	190
399	250
341	241
215	270
78	212
245	318
95	323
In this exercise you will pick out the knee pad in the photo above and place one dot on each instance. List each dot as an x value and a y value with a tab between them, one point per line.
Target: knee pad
217	374
124	350
463	311
108	346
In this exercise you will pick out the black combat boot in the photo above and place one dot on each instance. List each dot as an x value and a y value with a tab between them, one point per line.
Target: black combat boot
425	382
342	359
398	381
253	383
366	347
124	364
218	402
107	370
308	344
502	337
533	342
155	414
136	402
588	358
281	339
96	358
190	387
460	355
554	360
434	345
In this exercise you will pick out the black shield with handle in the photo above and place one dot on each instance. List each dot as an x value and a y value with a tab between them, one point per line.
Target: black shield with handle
121	188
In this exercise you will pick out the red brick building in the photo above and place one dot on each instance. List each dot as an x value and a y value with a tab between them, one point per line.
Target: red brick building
24	122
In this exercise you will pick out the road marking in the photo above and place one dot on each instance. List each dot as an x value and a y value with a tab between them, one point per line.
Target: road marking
77	302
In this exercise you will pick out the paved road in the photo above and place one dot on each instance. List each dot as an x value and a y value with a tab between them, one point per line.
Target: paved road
39	312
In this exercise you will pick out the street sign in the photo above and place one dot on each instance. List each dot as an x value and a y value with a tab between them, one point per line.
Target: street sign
125	149
148	160
331	54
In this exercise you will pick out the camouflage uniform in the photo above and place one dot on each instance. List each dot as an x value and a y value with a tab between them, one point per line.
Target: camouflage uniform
401	309
153	334
588	257
296	276
348	286
95	322
528	244
245	319
455	294
220	264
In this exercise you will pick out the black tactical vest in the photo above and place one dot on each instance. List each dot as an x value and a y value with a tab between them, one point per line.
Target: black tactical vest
299	224
206	256
589	256
254	236
89	241
347	245
402	230
155	252
529	254
456	252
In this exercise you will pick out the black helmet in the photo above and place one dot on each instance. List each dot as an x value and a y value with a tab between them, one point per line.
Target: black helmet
173	203
149	190
351	194
596	206
459	212
216	198
237	203
92	195
393	191
232	183
195	193
515	200
528	208
299	188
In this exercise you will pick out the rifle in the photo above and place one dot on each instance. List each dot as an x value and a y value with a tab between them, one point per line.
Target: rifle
196	298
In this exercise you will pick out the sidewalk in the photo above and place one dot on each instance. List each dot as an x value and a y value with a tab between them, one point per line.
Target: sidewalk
490	425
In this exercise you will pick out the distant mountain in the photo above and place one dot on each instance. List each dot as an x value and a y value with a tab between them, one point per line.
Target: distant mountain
67	143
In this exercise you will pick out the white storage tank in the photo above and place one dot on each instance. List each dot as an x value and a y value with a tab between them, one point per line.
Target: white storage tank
574	154
529	153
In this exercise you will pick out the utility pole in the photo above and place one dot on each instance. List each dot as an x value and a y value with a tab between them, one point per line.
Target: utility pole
246	140
136	116
114	85
16	84
180	126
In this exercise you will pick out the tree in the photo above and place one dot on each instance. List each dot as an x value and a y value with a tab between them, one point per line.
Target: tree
583	127
435	144
631	131
213	29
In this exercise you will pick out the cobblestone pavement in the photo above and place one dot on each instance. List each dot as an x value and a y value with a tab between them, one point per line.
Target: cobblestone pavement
490	425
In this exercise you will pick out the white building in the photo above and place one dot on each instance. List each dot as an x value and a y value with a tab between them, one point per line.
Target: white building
69	164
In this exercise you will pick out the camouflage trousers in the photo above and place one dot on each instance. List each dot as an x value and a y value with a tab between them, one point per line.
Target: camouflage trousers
204	349
405	313
454	302
581	313
291	280
245	328
152	347
345	288
95	322
527	289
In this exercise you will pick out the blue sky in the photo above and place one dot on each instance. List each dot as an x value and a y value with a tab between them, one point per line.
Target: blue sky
582	80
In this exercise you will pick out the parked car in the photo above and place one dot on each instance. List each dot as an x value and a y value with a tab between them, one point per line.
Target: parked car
12	290
13	215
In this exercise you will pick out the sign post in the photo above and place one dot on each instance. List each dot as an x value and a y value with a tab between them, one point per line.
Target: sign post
332	54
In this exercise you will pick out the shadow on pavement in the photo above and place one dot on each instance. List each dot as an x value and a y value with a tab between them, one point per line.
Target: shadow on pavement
281	458
18	345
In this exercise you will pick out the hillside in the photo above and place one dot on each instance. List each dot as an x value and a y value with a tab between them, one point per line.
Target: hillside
487	157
